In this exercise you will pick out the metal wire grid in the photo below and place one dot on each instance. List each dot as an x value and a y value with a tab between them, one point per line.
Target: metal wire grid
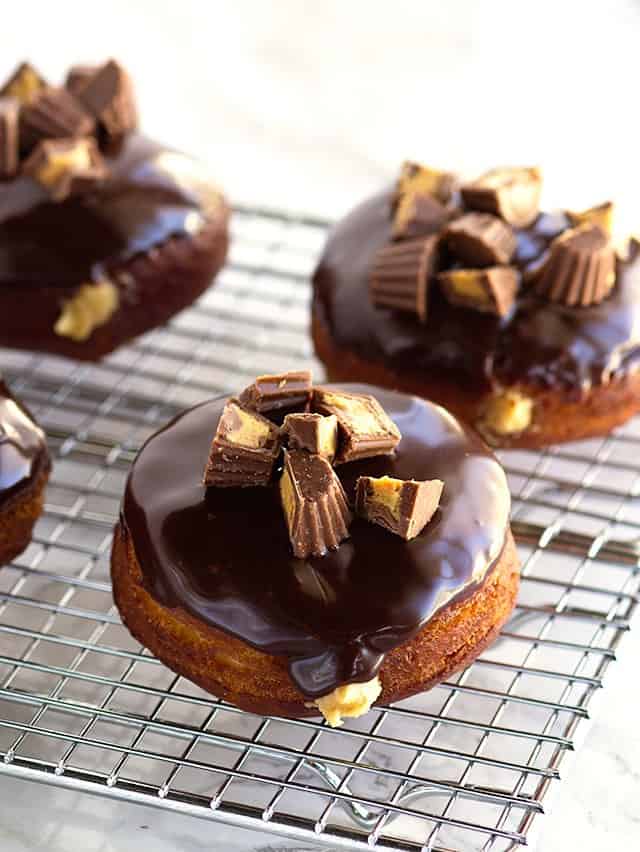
465	766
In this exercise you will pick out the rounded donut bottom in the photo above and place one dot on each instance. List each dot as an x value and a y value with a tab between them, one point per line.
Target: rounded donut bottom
557	416
152	287
22	510
259	683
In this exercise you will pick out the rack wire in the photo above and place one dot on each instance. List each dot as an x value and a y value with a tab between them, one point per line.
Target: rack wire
465	766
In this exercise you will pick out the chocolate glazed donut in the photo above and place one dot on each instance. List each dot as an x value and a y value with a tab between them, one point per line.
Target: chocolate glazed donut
156	229
104	234
207	580
24	470
575	366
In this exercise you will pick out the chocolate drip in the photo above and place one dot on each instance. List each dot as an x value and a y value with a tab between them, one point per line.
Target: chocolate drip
153	193
21	444
544	344
333	616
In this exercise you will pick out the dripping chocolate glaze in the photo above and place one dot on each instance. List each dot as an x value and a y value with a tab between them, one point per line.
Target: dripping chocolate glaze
544	344
224	554
22	445
152	193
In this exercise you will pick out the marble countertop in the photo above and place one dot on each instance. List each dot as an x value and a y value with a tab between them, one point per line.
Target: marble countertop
310	106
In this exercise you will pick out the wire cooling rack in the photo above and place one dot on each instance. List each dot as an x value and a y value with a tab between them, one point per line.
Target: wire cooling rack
465	766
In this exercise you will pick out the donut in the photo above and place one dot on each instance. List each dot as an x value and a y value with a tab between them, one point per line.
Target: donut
105	234
524	324
324	611
24	470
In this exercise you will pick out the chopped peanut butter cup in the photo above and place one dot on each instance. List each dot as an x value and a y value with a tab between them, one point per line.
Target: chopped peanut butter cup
314	504
403	507
65	166
53	113
274	392
416	179
418	214
601	214
511	193
480	239
244	449
78	76
107	94
400	275
364	426
312	432
24	84
491	290
580	268
9	115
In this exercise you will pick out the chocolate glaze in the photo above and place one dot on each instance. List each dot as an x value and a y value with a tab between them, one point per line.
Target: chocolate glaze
547	345
224	554
153	193
22	445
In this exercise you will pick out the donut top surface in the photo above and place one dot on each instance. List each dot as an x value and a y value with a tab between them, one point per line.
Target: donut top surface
537	342
224	555
73	207
22	443
153	194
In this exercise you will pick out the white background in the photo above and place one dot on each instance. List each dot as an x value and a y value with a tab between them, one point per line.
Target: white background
314	103
311	104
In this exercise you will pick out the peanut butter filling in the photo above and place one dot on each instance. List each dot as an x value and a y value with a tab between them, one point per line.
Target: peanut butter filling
91	306
349	701
508	413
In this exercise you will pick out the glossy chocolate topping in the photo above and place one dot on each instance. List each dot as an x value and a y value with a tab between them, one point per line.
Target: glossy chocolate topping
152	193
537	343
224	554
22	443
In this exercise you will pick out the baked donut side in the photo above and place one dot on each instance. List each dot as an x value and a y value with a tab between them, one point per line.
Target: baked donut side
259	682
557	415
152	287
18	515
25	465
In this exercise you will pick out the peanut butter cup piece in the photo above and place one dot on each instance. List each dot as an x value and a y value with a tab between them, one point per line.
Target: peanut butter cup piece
365	429
24	84
580	268
314	504
274	392
65	166
492	290
601	215
480	239
244	449
9	115
416	179
400	275
312	432
403	507
512	193
418	214
53	113
107	94
78	76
